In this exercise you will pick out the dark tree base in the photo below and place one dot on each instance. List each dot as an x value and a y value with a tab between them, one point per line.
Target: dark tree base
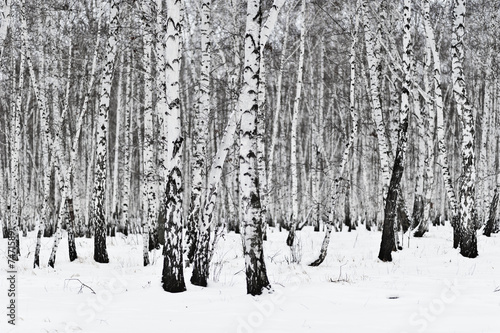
72	252
456	231
469	249
419	233
201	262
198	279
257	280
174	287
490	224
52	263
100	252
171	285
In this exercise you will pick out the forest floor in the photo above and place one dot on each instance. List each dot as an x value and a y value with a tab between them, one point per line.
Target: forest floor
429	287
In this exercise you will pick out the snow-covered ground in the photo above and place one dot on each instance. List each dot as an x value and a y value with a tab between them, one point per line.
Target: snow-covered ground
429	287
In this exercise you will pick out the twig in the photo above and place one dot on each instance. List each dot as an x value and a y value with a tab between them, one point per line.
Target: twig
81	287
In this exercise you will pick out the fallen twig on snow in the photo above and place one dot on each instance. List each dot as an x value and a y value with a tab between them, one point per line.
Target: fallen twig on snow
81	287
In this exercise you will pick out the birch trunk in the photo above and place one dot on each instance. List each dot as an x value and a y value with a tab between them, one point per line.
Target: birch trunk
15	153
4	23
467	225
384	150
173	270
350	142
147	181
277	111
492	222
266	30
116	169
251	222
63	170
98	214
388	243
484	192
44	127
200	234
127	160
429	162
442	151
293	143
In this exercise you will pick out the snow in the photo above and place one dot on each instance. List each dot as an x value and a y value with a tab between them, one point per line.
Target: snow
429	287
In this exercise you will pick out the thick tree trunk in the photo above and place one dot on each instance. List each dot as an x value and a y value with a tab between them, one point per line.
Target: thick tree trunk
199	234
98	215
173	269
251	222
468	238
388	243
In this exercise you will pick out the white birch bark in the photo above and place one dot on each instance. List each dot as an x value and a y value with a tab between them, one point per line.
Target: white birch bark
293	143
63	170
317	136
277	111
147	180
389	233
266	30
484	193
127	160
372	57
173	270
46	139
15	154
431	121
5	14
200	234
161	102
348	146
251	223
438	96
467	227
421	151
98	215
116	169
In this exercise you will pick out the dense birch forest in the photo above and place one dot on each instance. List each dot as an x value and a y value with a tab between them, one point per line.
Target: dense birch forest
184	120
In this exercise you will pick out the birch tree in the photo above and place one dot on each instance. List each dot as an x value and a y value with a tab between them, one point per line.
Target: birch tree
440	129
98	214
293	139
429	162
148	184
384	150
266	30
388	241
173	270
202	232
251	223
349	144
46	138
15	131
467	226
5	14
